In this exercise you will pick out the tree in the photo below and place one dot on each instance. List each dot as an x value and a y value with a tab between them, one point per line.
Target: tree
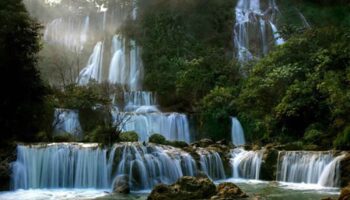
22	90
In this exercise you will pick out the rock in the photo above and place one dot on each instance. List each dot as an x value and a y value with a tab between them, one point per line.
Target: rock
185	188
227	191
269	164
345	193
203	143
121	184
345	171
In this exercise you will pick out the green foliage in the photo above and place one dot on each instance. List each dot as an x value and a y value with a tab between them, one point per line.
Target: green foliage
22	89
64	137
178	144
342	140
215	110
303	82
129	136
157	139
105	135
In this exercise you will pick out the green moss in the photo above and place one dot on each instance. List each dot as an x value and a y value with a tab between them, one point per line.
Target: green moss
343	139
129	136
157	139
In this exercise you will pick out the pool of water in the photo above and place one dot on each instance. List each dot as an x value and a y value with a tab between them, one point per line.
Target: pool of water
261	189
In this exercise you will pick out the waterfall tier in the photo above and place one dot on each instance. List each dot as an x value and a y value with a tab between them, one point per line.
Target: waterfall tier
211	164
246	164
309	167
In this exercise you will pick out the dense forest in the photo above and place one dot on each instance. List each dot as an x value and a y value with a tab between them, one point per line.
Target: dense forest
298	93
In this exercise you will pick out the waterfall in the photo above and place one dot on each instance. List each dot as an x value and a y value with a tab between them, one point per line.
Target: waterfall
136	99
93	69
70	32
237	133
211	164
60	166
173	126
246	164
251	36
67	121
75	165
308	167
147	166
126	67
278	39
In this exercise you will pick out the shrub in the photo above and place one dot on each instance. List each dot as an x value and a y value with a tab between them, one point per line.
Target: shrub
342	140
129	136
64	137
157	139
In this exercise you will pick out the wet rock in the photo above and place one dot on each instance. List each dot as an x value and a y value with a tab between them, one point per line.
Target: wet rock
227	191
121	184
269	163
345	171
203	143
345	193
185	188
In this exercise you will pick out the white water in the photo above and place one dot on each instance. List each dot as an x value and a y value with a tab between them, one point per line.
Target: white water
254	28
308	167
60	166
173	126
246	164
126	67
149	165
74	165
211	164
67	121
237	133
93	69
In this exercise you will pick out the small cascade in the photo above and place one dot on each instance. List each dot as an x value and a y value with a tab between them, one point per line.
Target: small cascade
254	28
278	39
173	126
308	167
246	164
61	166
237	133
93	69
76	165
67	121
211	164
137	99
147	166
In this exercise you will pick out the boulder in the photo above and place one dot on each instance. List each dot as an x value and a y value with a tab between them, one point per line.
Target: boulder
121	184
269	164
228	191
185	188
345	171
345	193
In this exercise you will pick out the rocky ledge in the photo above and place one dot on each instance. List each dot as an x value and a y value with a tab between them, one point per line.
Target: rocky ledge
196	188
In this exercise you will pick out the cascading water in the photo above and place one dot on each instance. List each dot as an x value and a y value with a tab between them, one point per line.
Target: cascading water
173	126
74	165
211	164
246	164
237	133
147	166
308	167
93	70
254	28
67	121
61	166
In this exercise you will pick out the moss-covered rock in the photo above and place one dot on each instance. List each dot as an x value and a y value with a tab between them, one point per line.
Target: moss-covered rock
203	143
177	144
121	184
157	139
229	191
269	163
185	188
64	137
129	136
